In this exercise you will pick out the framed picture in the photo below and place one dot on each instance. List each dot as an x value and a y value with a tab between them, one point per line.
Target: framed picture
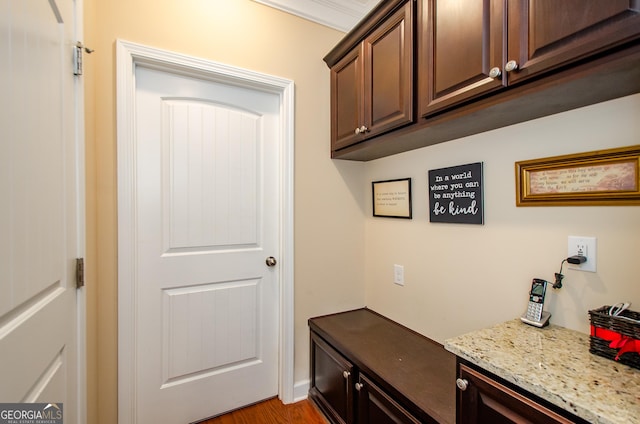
456	194
392	198
604	177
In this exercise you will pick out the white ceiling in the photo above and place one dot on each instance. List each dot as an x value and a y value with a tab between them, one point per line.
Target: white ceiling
338	14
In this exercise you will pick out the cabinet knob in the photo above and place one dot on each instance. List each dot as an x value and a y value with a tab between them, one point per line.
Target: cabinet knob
346	374
359	386
462	384
511	65
495	72
361	130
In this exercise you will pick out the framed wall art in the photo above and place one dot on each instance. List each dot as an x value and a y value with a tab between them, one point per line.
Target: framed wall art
392	198
603	177
455	194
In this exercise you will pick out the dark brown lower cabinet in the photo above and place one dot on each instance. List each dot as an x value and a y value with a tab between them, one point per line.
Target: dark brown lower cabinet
337	387
367	369
482	399
332	382
375	406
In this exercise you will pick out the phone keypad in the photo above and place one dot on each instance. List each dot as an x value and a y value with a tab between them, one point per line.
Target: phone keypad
534	311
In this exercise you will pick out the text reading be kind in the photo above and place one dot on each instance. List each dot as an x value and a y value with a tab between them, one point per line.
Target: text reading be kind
455	194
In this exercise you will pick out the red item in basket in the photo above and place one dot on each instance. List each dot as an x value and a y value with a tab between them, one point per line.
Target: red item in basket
618	341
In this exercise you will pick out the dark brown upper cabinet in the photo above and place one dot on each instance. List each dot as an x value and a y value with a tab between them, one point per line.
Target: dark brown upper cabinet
469	49
372	84
347	88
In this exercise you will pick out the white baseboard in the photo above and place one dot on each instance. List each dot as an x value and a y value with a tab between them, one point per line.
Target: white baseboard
301	390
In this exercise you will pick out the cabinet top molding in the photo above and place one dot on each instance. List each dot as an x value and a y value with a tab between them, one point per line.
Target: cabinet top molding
362	29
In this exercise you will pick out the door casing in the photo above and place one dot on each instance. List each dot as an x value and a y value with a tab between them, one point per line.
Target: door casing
128	56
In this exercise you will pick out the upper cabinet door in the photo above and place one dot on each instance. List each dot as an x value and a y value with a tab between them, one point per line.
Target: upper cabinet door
346	99
388	75
461	53
546	34
372	84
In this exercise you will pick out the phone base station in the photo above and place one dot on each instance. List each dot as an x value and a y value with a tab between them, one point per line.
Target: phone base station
544	320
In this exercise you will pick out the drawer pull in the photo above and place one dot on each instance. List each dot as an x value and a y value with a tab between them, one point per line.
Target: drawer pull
346	374
359	386
462	384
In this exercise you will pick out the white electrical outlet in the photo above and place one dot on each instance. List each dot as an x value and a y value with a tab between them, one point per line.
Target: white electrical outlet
398	275
583	246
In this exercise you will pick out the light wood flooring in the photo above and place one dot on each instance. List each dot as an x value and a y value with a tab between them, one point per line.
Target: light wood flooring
272	411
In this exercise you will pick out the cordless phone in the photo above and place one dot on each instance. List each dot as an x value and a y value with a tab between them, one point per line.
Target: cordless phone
535	315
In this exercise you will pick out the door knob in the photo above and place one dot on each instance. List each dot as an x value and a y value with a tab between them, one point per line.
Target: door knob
495	72
271	261
462	384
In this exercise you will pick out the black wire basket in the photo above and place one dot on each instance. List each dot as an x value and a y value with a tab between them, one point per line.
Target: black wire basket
606	329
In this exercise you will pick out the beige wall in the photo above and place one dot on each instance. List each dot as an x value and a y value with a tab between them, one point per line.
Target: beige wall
459	277
329	231
464	277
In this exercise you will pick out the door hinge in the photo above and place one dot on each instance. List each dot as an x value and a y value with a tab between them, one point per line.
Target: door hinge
79	48
79	272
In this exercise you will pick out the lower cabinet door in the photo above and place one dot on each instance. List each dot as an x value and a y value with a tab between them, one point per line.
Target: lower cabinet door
484	400
332	382
376	407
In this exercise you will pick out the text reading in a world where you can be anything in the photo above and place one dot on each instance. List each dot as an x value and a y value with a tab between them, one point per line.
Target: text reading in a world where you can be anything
455	194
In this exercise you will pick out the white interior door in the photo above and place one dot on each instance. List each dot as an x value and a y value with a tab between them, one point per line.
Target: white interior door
207	212
40	227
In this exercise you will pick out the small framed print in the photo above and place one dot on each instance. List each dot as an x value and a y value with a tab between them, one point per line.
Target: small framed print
392	198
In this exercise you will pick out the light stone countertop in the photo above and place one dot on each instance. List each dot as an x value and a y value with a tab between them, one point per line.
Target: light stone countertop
554	363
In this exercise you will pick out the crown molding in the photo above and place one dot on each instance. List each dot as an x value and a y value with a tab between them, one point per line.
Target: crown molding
342	15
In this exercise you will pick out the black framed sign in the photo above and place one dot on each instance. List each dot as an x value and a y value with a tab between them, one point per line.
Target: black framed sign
392	198
455	194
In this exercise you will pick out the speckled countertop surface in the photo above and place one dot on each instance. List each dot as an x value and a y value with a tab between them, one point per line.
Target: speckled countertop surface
555	364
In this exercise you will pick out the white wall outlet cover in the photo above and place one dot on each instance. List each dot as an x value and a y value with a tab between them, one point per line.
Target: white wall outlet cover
584	246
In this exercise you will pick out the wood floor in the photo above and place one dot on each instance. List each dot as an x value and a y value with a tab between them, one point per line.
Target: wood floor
272	411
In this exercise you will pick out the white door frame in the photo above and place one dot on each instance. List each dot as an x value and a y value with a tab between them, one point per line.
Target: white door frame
128	56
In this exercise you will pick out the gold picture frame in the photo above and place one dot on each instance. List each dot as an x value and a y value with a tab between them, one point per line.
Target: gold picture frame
603	177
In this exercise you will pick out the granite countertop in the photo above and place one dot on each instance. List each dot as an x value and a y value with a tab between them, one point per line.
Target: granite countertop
554	363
